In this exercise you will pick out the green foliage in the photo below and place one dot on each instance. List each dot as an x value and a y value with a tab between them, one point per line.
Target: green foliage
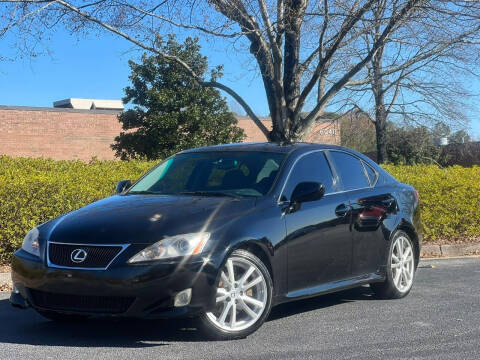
411	145
33	191
172	111
449	198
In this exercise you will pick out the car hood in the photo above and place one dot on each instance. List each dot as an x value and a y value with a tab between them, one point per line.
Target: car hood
144	219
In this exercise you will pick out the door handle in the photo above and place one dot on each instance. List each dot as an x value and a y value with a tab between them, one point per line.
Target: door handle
341	210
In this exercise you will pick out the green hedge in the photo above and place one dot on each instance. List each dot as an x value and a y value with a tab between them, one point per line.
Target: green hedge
33	191
449	199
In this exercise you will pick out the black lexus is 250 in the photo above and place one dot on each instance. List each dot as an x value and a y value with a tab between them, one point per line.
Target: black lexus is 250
223	233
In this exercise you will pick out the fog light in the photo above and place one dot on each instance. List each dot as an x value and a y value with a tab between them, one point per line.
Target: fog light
15	290
183	298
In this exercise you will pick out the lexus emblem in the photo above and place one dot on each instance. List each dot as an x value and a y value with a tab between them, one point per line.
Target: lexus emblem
78	255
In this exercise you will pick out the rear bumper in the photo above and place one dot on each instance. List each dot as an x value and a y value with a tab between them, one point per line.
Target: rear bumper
151	288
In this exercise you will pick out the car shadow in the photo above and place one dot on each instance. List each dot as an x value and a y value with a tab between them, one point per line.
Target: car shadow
28	327
320	302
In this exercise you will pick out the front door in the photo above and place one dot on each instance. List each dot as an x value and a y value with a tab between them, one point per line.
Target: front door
318	235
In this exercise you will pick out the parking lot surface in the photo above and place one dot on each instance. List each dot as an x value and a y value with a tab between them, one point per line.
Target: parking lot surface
440	319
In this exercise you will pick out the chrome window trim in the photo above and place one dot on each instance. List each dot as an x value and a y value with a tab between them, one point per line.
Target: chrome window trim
346	191
364	163
333	171
49	264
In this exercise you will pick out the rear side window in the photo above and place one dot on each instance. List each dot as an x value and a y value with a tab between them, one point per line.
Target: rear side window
310	167
372	175
350	170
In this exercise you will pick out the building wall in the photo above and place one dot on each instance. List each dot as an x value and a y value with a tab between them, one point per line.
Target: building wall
66	134
327	132
61	134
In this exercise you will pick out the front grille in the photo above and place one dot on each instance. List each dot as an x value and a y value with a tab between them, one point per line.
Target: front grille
97	256
77	303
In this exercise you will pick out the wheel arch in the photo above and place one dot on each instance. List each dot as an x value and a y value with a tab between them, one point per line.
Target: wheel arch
409	229
259	249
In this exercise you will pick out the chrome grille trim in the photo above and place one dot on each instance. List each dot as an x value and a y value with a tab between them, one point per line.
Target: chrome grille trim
51	265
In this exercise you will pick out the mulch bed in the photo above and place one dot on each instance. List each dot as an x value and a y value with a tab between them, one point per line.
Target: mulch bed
453	241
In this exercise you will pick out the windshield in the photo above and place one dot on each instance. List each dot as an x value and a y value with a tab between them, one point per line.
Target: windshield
212	174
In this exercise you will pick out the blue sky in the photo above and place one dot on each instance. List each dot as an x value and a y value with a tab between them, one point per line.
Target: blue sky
96	67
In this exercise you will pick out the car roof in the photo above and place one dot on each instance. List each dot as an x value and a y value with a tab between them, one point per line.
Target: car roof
265	147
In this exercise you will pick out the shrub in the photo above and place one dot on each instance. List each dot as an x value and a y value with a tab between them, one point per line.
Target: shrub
33	191
449	199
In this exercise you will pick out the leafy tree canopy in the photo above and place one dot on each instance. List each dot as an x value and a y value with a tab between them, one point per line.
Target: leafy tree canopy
172	112
411	145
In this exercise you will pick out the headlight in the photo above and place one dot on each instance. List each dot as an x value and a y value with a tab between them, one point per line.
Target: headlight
174	246
30	243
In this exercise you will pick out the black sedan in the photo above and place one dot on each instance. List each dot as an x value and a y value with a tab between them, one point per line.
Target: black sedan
223	233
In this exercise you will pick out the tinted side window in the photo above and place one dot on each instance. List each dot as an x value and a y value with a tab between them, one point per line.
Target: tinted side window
350	170
311	167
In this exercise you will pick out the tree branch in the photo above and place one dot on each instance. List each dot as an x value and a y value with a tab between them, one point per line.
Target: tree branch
347	25
175	59
394	20
242	102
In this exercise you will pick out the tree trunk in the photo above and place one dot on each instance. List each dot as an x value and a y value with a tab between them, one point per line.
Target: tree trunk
381	129
379	94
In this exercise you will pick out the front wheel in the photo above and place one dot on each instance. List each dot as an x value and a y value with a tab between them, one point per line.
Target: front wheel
400	269
243	300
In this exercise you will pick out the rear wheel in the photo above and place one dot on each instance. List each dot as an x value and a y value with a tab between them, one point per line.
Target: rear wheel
400	269
243	300
61	317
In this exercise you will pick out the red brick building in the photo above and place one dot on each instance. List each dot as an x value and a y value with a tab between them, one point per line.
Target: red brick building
82	128
327	131
58	133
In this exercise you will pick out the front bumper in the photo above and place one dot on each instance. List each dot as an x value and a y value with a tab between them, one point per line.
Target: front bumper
150	287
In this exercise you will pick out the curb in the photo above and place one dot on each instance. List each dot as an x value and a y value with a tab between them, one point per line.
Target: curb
450	250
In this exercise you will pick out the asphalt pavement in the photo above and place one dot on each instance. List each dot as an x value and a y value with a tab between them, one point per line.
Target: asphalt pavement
440	319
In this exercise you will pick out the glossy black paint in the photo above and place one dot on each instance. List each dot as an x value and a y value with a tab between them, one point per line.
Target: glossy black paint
315	247
306	192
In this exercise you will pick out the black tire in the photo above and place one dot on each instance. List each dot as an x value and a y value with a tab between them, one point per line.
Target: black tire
61	317
213	332
388	289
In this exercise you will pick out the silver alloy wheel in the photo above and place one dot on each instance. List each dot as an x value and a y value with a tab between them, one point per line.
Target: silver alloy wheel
403	264
241	295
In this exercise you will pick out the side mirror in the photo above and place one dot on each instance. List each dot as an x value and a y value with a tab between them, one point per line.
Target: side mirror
307	191
123	185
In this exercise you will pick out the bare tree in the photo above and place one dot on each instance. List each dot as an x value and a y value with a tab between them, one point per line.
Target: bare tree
417	73
297	45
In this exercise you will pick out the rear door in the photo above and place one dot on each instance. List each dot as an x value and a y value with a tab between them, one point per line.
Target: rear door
370	207
319	241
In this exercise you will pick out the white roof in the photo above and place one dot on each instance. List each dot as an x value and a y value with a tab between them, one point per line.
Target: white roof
89	104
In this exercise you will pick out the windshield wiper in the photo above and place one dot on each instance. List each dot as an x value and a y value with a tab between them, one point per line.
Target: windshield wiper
207	193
